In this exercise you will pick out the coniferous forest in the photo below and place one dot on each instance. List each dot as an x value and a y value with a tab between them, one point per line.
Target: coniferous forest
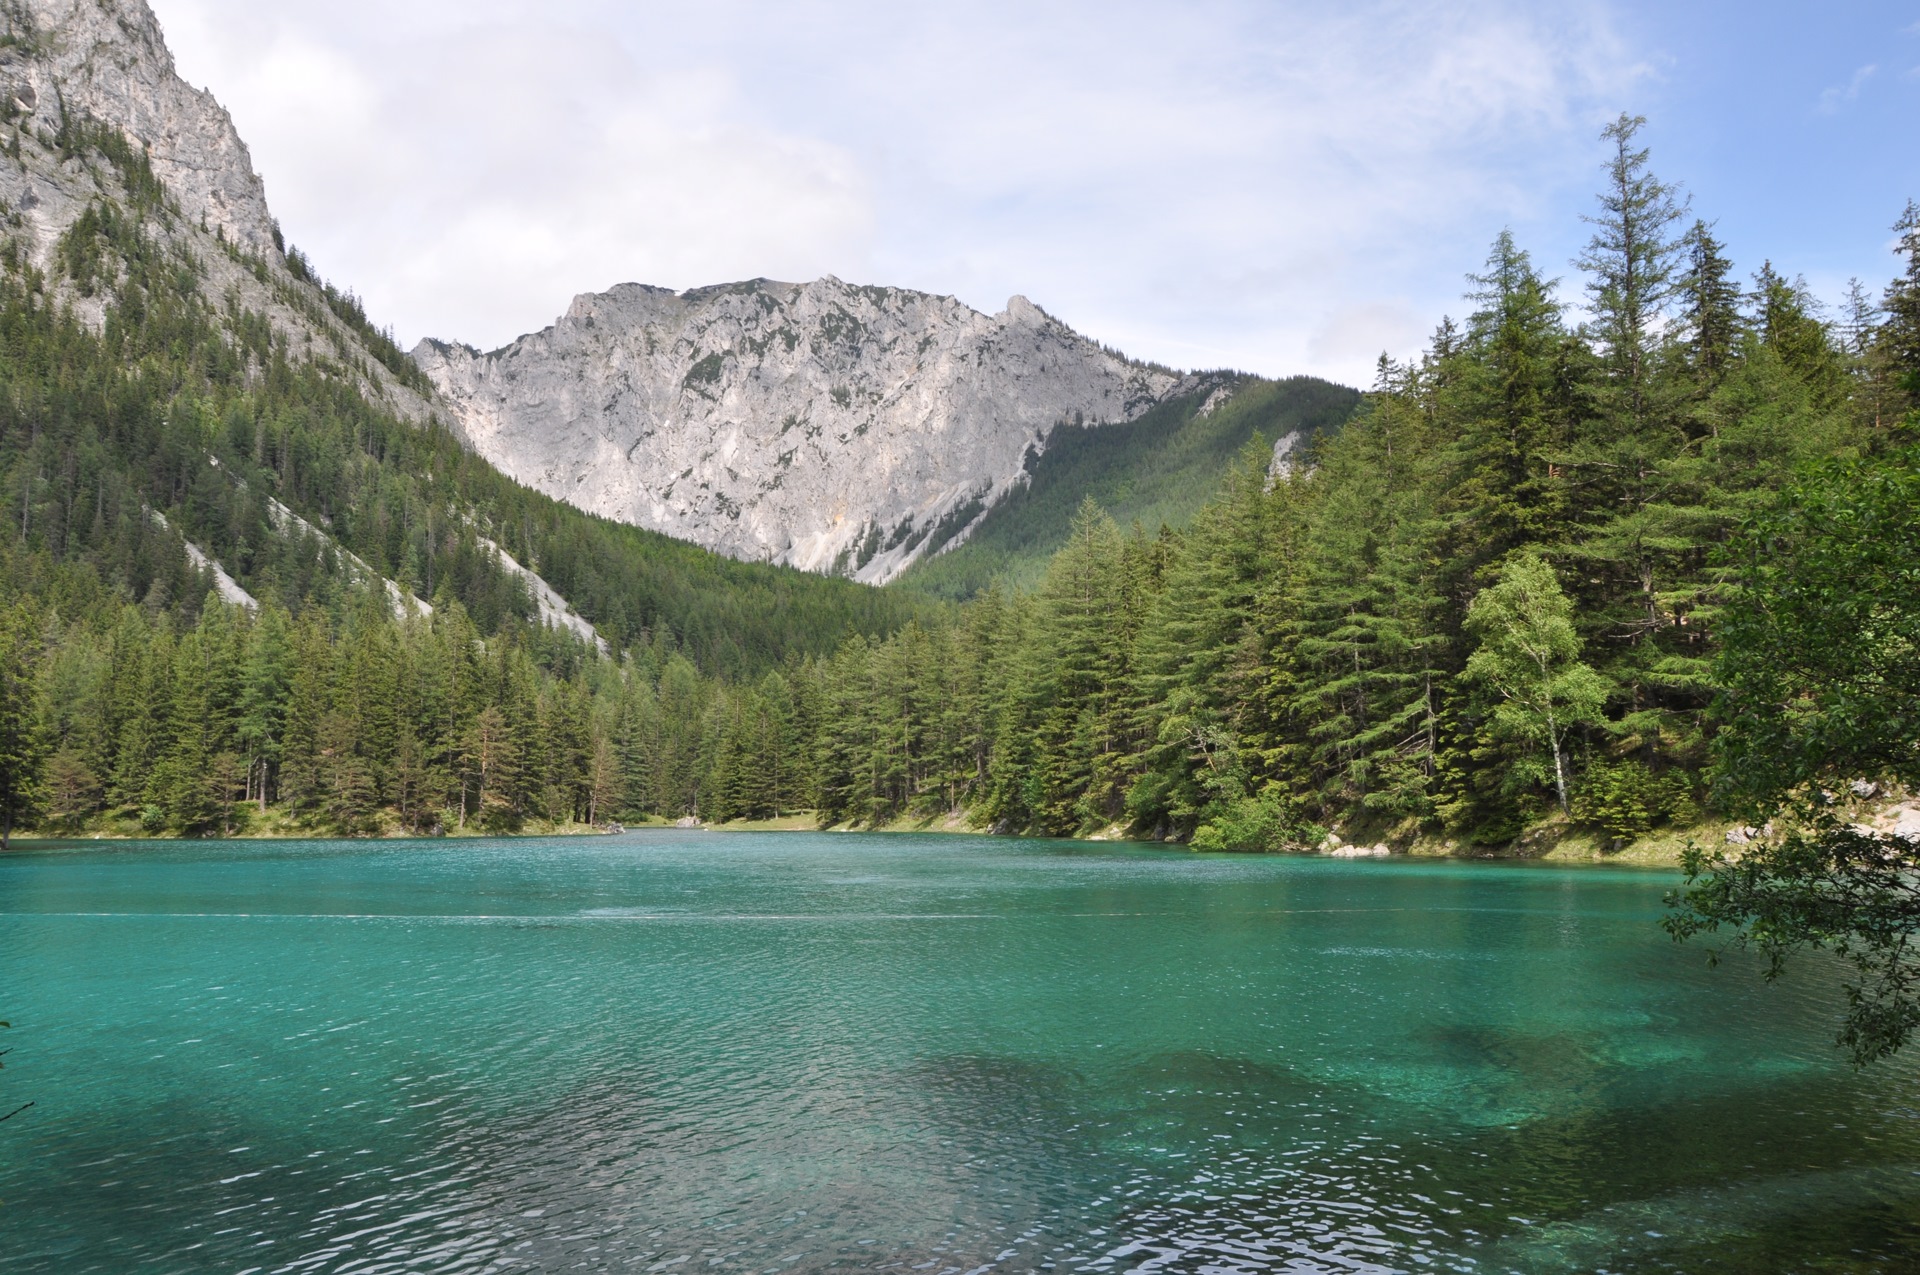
1489	600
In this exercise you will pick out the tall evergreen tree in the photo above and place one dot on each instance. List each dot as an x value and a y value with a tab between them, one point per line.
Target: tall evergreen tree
1900	338
1632	262
1709	307
22	734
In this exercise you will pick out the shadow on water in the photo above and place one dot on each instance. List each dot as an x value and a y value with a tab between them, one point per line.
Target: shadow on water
1187	1161
1322	1177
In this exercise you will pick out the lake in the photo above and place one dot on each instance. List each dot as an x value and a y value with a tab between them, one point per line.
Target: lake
685	1051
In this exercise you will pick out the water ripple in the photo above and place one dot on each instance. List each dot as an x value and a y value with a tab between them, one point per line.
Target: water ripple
800	1054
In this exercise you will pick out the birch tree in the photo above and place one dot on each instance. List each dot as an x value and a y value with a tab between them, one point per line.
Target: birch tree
1528	658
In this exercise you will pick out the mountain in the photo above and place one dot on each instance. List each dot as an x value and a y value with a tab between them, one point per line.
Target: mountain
100	121
64	61
1157	470
839	430
833	427
186	407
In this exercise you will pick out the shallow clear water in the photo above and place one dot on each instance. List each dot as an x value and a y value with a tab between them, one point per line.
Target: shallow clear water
788	1052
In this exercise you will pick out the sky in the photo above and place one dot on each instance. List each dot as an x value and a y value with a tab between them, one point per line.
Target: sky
1268	185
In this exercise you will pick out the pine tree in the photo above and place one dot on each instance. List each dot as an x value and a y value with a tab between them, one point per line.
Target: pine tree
1790	325
309	699
1362	639
1081	732
496	765
142	660
76	682
265	683
183	775
1900	337
1632	261
1503	385
1200	656
346	777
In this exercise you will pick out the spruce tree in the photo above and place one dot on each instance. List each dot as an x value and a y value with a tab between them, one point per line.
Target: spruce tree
265	682
183	775
1504	391
1790	325
1632	262
22	733
1365	640
1900	337
1709	307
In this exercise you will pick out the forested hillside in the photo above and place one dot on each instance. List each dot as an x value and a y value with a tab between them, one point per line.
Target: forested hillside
183	434
1157	471
1492	601
198	412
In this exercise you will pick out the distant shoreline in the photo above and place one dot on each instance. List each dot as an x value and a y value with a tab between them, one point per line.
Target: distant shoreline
1552	842
1546	843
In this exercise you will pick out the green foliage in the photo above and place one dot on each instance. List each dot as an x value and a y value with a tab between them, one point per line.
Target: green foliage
348	309
1820	665
131	697
1494	591
1504	581
22	734
1263	825
1626	800
1898	341
1157	470
1820	670
201	412
1528	661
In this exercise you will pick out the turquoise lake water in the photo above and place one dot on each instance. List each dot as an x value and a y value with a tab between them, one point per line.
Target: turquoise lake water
792	1053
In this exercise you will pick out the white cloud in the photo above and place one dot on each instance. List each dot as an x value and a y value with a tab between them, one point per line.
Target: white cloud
1360	332
1832	99
1280	186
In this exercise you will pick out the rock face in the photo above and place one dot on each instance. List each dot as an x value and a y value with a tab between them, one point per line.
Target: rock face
106	59
822	425
73	71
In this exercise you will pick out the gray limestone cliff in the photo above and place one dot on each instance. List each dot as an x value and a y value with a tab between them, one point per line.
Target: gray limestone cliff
822	425
830	427
74	70
90	105
106	60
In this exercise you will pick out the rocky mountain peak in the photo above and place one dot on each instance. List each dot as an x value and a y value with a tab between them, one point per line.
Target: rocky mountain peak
826	425
1021	310
107	59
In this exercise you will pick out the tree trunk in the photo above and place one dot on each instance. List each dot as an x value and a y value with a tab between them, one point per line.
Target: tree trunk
1559	766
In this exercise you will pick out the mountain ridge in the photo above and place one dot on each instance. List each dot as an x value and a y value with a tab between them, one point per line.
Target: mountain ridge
841	428
189	409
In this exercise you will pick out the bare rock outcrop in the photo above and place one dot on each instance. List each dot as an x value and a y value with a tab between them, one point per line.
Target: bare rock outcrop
106	59
75	73
824	425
